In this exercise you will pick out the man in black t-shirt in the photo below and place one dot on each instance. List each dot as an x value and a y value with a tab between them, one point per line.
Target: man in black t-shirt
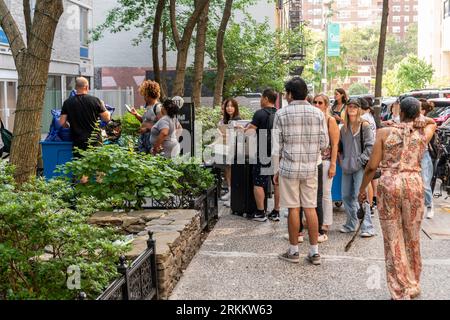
81	114
262	123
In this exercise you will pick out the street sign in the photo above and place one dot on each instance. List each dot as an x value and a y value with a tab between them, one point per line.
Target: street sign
334	40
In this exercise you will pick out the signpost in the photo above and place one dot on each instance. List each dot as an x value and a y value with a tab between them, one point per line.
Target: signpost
186	117
334	40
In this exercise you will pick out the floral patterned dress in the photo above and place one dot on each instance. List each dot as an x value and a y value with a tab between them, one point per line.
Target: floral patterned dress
401	209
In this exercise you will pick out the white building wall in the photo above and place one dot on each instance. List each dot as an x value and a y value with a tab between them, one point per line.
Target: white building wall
116	50
434	39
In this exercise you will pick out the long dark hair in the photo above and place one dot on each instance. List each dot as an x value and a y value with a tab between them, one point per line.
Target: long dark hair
226	116
344	98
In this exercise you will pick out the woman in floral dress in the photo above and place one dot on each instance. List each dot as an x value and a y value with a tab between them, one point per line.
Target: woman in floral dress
400	149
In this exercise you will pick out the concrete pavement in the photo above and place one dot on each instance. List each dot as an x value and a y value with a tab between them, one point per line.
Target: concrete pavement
239	260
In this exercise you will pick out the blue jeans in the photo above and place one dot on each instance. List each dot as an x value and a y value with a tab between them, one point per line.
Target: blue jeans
427	176
350	189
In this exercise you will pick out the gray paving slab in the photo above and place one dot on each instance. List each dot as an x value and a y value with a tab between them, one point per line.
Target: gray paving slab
239	260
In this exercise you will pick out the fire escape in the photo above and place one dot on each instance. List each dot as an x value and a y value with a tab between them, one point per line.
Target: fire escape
296	22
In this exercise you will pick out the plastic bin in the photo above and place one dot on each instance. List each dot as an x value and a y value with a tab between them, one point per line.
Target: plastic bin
53	155
336	189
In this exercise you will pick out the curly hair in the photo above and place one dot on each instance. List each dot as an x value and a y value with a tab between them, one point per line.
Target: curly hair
150	89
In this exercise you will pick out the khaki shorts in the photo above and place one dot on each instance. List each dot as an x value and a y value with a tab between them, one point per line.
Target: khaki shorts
296	193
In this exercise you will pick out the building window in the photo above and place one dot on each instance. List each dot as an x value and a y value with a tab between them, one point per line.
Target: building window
53	100
396	9
446	9
396	29
396	19
84	27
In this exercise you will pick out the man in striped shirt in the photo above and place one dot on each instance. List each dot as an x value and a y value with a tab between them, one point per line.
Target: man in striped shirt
300	135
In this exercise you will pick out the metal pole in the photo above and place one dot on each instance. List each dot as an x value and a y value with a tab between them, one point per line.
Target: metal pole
325	66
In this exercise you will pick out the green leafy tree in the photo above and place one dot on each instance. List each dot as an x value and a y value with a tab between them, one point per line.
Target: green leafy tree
338	67
411	73
255	55
357	89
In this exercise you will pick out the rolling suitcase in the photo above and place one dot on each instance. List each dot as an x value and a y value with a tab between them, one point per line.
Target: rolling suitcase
242	198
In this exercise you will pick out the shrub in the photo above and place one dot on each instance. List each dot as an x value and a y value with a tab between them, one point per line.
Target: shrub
123	178
194	179
42	234
130	125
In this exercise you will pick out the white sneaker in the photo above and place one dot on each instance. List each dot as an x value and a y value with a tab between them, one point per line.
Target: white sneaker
301	239
322	238
430	213
226	197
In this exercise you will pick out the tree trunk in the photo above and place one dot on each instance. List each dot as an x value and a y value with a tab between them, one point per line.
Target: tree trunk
32	64
221	62
380	62
164	57
183	44
199	63
155	40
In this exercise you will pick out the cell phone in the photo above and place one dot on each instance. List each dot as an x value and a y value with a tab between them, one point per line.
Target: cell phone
128	108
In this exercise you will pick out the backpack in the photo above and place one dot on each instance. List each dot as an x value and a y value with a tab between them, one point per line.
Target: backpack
6	138
435	147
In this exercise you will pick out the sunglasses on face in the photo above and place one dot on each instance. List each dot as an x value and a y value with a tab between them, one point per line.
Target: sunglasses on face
320	103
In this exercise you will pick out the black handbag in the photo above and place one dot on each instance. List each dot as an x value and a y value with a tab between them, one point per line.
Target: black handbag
6	138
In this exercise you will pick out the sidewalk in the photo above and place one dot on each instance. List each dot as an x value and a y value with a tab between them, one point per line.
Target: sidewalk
239	260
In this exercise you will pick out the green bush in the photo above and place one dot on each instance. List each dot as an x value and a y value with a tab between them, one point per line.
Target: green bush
123	178
42	234
210	118
130	125
194	179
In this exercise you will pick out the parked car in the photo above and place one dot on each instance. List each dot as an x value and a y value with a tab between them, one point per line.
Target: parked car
428	94
386	104
441	111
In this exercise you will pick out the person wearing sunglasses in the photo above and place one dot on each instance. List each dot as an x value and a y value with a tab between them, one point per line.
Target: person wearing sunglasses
329	158
356	142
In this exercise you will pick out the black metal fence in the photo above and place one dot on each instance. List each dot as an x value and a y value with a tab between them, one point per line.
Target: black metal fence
137	282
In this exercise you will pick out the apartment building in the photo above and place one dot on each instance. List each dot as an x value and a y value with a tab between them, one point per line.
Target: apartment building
434	39
71	57
351	14
361	13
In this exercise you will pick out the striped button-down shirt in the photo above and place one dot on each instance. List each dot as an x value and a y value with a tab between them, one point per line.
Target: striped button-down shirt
300	135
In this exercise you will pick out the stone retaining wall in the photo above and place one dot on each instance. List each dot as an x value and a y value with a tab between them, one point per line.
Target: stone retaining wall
178	236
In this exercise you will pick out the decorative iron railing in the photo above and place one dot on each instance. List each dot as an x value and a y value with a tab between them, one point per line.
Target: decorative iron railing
138	281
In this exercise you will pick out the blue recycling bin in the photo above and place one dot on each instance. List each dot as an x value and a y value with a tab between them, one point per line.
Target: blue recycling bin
336	188
53	155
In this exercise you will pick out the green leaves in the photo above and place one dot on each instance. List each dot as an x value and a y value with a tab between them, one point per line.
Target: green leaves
411	73
44	231
122	179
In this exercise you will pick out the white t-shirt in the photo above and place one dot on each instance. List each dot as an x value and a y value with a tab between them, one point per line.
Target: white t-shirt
371	120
